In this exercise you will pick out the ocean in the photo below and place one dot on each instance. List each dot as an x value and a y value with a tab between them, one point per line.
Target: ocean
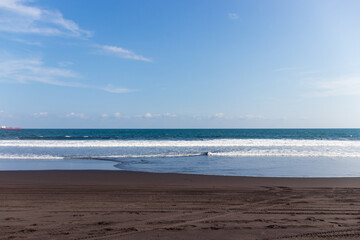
235	152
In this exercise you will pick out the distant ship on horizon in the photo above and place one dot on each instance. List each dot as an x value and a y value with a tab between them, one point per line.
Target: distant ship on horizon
5	127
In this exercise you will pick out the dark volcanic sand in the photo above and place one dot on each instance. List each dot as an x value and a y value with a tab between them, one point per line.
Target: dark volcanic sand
133	205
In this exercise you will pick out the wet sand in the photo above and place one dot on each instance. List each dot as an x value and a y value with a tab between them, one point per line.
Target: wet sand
134	205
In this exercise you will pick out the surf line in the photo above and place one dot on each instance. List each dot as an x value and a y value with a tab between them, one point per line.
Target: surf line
115	157
92	158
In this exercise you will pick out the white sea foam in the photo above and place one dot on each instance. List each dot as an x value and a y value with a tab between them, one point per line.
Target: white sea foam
286	153
179	143
141	156
245	153
252	153
16	156
183	148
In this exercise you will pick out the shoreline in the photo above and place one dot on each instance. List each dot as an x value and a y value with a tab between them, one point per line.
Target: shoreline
137	177
96	204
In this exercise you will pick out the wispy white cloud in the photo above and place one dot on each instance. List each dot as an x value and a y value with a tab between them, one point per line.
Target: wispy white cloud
116	89
117	115
17	7
40	114
34	70
219	115
75	115
233	16
226	117
156	115
251	116
171	115
32	43
121	52
27	70
18	16
346	86
149	115
23	17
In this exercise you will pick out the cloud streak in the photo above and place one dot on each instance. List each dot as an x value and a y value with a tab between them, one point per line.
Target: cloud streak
33	70
17	17
121	52
23	17
32	43
348	86
112	89
156	115
40	114
75	115
219	115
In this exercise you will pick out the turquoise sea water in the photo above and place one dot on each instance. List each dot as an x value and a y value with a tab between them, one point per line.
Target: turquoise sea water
241	152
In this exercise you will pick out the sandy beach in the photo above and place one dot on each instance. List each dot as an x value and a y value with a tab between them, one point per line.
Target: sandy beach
135	205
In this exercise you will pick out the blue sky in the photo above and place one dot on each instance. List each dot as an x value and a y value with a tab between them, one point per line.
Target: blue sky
179	64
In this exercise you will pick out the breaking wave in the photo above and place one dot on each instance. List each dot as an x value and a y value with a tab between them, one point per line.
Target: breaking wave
179	143
17	156
246	153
